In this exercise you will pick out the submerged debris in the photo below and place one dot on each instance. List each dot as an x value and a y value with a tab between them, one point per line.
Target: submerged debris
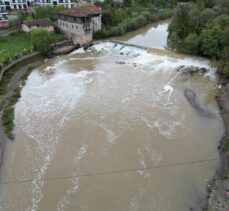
120	62
190	95
192	69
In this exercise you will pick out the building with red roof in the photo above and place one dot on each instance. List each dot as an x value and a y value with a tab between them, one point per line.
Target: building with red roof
80	23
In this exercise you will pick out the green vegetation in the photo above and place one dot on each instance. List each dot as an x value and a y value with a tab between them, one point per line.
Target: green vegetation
55	37
47	12
7	121
8	114
202	28
225	145
40	40
117	19
14	45
10	92
19	43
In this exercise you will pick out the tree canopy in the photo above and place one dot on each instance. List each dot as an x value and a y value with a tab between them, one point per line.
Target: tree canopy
41	40
201	27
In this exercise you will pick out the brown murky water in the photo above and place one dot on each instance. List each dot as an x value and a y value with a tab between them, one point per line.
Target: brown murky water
153	35
111	129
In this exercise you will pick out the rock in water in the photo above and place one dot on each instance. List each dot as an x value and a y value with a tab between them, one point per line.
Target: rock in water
190	95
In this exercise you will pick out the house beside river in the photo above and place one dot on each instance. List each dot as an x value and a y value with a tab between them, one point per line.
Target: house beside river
79	24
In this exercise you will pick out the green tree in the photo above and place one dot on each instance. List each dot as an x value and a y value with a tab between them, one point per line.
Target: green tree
206	17
47	12
211	42
40	40
107	17
191	43
181	20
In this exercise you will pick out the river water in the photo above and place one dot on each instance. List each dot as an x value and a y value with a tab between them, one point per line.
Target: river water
110	129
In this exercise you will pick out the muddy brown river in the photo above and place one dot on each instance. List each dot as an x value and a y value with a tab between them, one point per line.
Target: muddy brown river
111	129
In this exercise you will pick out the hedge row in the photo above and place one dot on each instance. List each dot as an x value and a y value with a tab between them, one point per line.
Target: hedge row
131	24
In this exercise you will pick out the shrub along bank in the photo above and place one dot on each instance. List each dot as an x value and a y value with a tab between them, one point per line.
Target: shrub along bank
117	19
202	28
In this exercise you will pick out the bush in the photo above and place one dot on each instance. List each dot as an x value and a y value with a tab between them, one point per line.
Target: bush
191	44
210	42
7	121
41	40
47	12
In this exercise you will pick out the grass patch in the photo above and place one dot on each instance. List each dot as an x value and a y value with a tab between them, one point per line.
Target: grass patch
19	43
56	37
14	45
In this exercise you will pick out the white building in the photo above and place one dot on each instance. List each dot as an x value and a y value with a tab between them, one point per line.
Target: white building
17	4
24	4
3	13
80	23
65	3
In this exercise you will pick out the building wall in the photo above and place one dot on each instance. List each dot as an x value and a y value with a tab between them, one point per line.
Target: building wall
80	33
3	13
27	29
16	4
97	22
65	3
23	4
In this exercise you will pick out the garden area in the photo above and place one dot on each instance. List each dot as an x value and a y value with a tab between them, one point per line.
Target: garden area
18	43
14	45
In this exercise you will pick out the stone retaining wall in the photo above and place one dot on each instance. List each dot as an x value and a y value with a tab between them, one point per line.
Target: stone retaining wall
3	69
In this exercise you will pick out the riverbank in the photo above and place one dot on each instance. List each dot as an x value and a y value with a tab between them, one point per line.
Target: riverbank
218	189
11	85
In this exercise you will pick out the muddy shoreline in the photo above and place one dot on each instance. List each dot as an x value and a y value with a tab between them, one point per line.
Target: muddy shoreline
14	80
218	188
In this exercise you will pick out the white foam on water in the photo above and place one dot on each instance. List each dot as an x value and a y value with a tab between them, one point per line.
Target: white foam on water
42	110
165	127
111	136
55	66
168	89
64	202
134	204
143	172
140	56
80	50
81	153
82	59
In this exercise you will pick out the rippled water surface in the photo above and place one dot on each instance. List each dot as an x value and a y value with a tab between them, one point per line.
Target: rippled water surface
111	129
153	35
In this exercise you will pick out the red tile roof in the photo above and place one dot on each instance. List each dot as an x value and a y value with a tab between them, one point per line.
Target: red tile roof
40	22
81	11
